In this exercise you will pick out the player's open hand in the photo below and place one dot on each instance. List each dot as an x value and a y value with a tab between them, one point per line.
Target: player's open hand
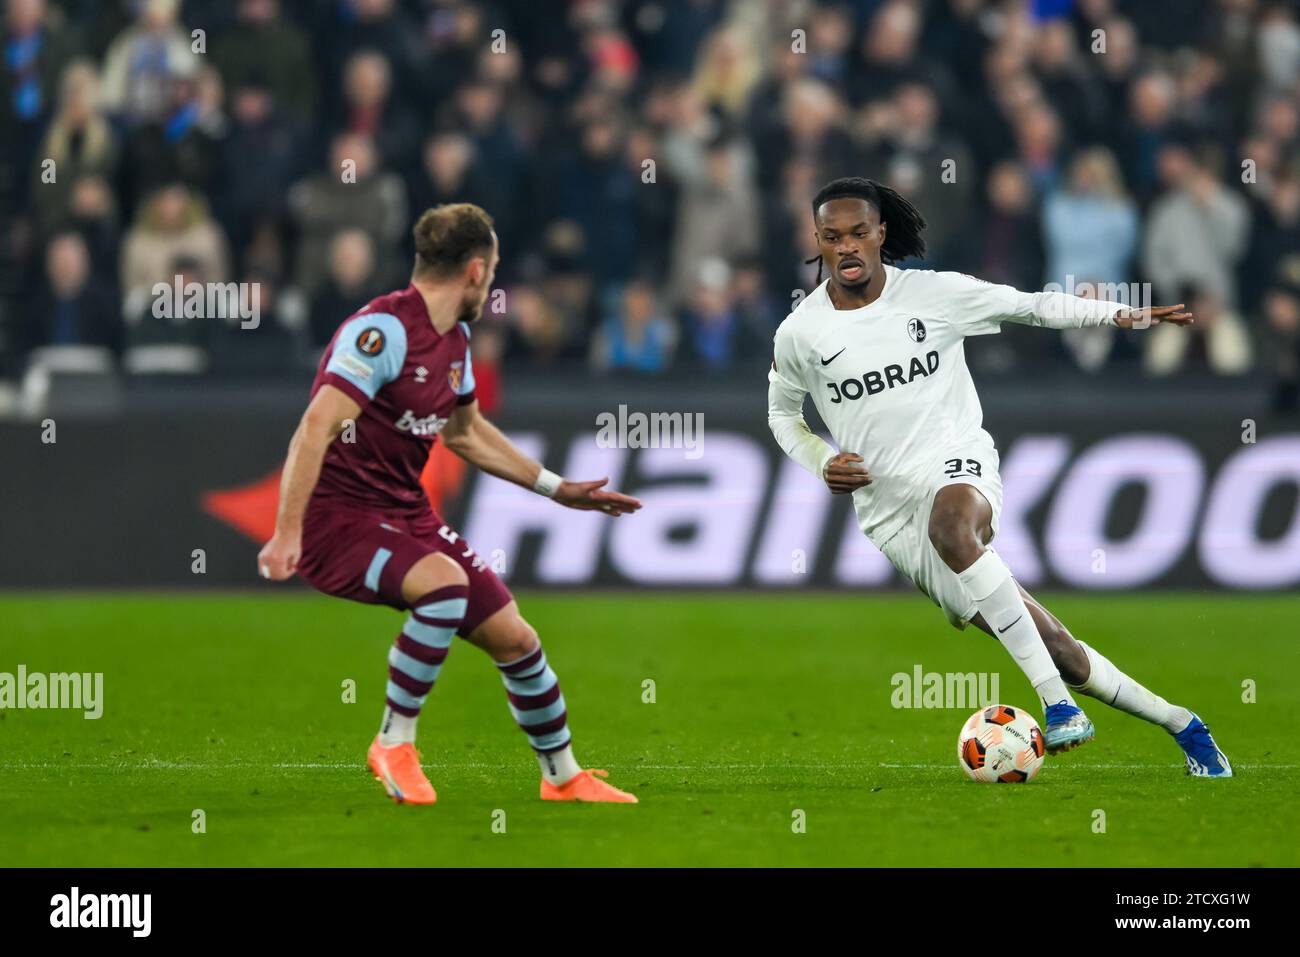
843	475
1142	318
279	557
590	496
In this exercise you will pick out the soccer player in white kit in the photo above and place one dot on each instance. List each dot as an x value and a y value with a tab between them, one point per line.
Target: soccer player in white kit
879	349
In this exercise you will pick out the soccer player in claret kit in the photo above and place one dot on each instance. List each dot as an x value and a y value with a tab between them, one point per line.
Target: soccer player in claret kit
880	351
355	522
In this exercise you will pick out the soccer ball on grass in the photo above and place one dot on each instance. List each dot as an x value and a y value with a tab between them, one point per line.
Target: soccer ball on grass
1001	745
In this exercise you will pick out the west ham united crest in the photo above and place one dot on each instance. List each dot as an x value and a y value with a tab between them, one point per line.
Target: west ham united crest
455	375
916	330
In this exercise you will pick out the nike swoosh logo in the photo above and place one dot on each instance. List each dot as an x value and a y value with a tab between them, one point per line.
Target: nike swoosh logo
827	362
1002	631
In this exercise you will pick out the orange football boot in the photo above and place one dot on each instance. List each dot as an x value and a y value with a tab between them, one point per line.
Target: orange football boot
586	786
398	770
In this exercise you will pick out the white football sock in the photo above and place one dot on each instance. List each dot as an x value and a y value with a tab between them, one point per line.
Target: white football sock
1107	683
396	729
998	599
559	766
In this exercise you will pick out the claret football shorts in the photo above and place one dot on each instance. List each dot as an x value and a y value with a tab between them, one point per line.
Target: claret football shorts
364	556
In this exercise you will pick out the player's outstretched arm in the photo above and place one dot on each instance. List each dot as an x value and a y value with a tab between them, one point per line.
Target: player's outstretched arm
327	414
471	436
982	306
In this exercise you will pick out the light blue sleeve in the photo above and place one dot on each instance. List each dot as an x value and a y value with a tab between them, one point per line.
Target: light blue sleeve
369	351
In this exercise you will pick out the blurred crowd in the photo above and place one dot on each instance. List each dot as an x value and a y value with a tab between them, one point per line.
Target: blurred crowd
649	164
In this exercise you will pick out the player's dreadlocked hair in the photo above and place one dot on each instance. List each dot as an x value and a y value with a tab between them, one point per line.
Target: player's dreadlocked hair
904	221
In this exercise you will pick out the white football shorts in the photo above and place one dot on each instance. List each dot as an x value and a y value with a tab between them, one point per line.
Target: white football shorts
910	549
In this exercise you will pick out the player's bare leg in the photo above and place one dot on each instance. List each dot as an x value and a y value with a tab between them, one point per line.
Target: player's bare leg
538	707
961	525
436	590
1089	672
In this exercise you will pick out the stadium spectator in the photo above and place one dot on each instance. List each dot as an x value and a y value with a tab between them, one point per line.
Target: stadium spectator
93	213
36	47
1276	234
174	226
1066	80
349	286
656	201
812	126
830	44
715	216
636	337
1278	40
538	330
182	143
143	62
727	73
448	173
80	142
372	25
71	308
479	112
1090	229
891	55
453	33
1117	63
597	191
352	192
369	108
260	159
715	333
1040	146
264	51
1197	230
758	311
1149	125
904	145
1012	250
1011	254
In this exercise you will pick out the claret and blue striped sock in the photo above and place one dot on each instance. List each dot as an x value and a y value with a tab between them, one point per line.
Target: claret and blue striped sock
416	658
538	707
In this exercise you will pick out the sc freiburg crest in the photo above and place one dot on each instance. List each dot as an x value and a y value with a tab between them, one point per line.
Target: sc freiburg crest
916	330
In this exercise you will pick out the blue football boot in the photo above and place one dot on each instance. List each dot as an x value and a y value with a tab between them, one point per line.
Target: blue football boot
1067	727
1204	759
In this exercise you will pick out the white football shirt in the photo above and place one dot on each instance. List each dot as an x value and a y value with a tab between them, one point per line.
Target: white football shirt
890	379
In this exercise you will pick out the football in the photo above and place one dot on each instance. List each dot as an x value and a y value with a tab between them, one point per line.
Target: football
1001	744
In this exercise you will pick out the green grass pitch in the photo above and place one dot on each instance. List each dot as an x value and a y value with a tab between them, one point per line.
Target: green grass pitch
764	705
